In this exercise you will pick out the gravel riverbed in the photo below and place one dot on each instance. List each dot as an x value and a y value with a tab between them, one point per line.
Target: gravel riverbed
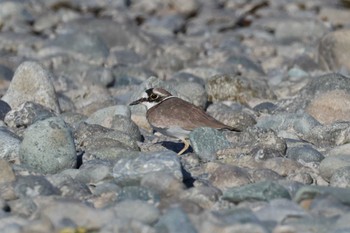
76	158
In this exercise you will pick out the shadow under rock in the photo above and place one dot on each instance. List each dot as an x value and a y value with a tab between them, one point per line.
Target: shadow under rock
188	179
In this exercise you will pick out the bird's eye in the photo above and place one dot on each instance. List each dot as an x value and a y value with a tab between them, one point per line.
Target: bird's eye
153	96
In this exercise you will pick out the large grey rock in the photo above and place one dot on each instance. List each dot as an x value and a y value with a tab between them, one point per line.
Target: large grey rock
104	143
31	82
207	141
131	170
337	158
262	191
304	152
48	146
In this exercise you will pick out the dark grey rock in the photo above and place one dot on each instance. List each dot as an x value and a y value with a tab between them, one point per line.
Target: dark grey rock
99	142
9	148
131	170
175	220
304	152
4	109
341	178
207	141
265	107
32	82
48	146
34	186
130	75
262	191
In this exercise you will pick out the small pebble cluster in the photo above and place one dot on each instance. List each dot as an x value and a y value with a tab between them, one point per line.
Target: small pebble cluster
76	158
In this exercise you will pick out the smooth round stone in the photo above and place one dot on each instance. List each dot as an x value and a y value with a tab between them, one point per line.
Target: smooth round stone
4	109
221	175
131	170
193	91
305	153
48	146
10	144
204	196
341	178
137	210
300	122
262	191
31	82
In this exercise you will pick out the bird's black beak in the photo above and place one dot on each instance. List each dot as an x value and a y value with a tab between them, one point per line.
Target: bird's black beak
138	101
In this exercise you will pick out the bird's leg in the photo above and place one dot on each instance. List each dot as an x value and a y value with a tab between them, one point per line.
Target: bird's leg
187	144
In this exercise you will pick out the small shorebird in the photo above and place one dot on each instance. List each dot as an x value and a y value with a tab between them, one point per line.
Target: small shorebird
175	117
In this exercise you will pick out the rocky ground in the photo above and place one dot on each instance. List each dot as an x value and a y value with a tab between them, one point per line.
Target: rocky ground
76	158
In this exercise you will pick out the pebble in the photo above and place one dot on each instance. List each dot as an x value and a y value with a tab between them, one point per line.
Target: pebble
131	170
6	173
32	82
4	109
55	153
341	178
207	141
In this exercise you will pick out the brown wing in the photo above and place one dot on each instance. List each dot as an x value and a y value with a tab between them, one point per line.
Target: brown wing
175	111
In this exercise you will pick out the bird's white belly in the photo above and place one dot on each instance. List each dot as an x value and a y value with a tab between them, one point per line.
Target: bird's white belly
175	132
